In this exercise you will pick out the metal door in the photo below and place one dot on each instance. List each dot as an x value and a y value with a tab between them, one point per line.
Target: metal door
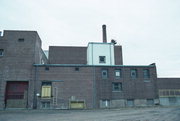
16	94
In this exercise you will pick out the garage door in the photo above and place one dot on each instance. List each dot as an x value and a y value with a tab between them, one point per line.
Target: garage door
16	94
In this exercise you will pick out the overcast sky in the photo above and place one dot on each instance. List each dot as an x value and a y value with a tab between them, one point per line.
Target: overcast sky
148	30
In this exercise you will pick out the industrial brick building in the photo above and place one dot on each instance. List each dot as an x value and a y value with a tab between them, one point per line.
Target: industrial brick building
76	77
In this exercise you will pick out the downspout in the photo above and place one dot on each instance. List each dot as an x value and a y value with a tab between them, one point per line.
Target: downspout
35	91
110	54
94	87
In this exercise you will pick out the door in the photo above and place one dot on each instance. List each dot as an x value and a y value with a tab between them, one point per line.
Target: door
16	94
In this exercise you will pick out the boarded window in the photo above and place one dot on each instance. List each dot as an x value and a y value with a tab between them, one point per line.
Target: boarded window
46	90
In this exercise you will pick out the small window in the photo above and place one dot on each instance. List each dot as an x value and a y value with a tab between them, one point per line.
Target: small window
133	73
116	86
1	52
117	73
77	69
46	90
102	59
21	40
146	73
104	74
47	68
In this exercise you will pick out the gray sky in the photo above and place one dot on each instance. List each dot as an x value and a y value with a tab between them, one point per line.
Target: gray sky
148	30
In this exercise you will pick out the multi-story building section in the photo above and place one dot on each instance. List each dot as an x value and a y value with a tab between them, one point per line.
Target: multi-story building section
76	77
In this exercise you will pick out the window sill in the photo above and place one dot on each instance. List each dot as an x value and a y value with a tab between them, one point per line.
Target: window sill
45	98
147	80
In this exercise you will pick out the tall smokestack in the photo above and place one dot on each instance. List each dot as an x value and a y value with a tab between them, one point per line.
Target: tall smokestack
104	34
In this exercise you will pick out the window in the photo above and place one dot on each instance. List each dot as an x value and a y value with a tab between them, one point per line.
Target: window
21	40
104	74
102	59
1	52
117	73
133	73
45	105
46	90
116	86
146	73
77	69
47	68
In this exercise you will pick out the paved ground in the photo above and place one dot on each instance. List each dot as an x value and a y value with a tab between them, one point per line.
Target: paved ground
124	114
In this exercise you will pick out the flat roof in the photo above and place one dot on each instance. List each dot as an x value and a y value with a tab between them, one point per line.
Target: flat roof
85	65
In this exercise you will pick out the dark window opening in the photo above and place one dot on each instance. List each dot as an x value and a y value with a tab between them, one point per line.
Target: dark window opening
77	69
1	52
21	40
47	68
46	83
102	59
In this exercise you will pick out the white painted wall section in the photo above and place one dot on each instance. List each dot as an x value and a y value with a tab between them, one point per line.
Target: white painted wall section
95	50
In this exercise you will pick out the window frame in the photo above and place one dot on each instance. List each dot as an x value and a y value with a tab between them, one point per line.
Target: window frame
119	86
120	73
44	87
146	74
104	76
133	76
104	59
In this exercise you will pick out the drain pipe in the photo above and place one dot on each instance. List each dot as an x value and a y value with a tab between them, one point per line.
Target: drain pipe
34	97
94	88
